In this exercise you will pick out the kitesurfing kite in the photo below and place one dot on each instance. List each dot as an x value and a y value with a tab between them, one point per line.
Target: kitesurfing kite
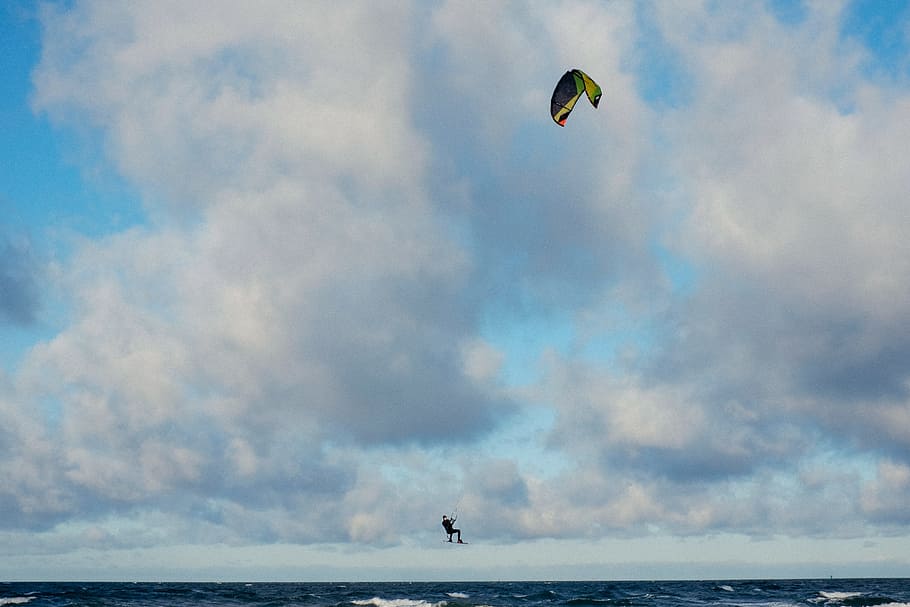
569	88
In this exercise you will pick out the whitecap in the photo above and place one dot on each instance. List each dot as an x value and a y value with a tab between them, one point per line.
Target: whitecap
16	600
380	602
838	596
457	595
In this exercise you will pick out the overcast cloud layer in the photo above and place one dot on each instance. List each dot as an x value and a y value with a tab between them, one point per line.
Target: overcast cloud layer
369	251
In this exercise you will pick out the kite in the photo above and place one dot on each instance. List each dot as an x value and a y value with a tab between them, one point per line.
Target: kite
569	88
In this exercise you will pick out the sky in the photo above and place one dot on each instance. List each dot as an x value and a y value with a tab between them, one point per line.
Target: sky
281	283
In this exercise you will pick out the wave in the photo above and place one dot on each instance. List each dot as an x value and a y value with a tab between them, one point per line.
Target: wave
15	600
380	602
542	595
593	602
838	596
856	599
458	595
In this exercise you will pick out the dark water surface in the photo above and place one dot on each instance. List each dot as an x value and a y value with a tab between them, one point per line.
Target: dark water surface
758	593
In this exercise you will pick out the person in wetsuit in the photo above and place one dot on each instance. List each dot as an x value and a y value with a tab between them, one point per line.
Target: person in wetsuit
450	529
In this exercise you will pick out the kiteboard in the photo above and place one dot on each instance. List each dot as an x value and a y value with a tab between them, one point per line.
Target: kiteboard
448	542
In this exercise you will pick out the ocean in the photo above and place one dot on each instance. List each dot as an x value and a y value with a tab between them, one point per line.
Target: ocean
753	593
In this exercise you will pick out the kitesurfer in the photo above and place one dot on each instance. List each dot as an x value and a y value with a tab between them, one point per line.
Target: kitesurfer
447	523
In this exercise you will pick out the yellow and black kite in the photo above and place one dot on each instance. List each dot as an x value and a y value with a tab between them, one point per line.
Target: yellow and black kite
569	88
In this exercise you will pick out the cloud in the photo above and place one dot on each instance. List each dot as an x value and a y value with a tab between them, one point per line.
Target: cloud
788	346
883	496
19	280
237	101
295	290
31	496
790	343
295	347
794	218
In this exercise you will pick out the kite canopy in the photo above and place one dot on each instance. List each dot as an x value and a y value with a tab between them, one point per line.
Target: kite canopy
569	88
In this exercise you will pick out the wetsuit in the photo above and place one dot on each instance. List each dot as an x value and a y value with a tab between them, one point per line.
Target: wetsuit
447	523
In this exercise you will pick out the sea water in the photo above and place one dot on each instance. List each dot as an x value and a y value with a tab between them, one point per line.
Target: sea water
751	593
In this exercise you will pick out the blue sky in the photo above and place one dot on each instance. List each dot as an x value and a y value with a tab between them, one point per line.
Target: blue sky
277	291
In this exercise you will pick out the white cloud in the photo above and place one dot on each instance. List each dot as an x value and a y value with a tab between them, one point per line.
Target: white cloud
312	296
796	194
338	204
30	492
238	98
790	339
